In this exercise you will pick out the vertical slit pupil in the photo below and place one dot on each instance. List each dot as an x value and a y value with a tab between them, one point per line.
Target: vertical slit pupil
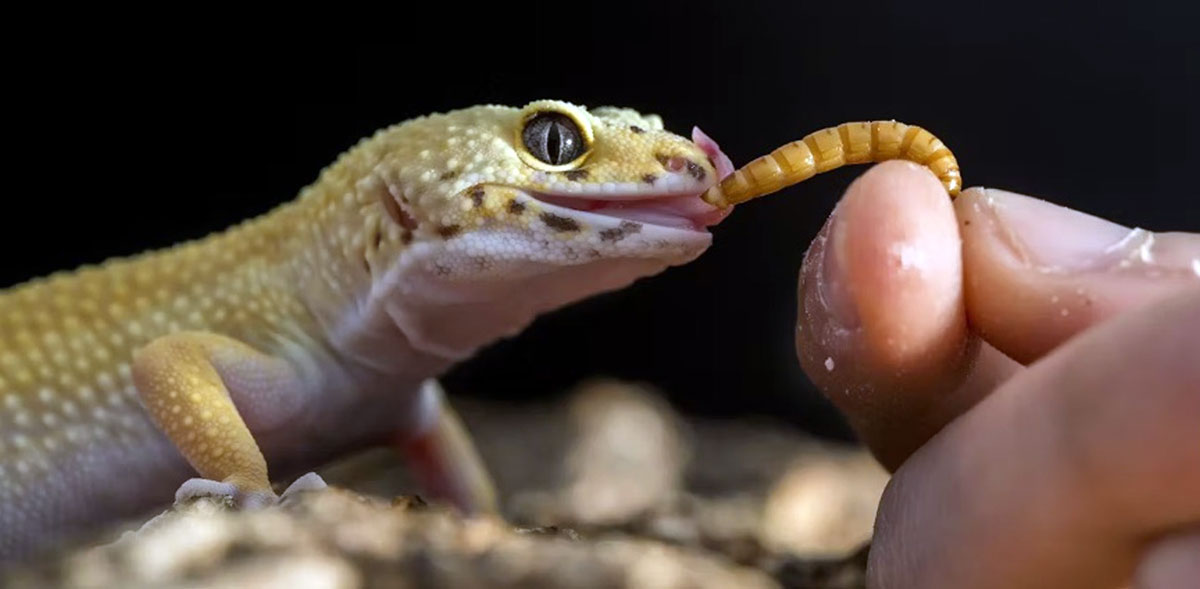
553	138
554	143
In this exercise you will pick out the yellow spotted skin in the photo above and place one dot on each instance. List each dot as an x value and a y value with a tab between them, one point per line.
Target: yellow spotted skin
834	147
69	404
314	329
179	376
422	168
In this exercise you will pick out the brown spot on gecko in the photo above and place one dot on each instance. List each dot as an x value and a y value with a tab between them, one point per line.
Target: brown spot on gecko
406	237
516	207
559	223
396	212
448	175
649	178
575	175
625	229
448	231
637	129
476	193
695	170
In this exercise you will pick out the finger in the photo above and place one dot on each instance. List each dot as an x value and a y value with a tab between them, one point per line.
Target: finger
882	329
1060	477
1037	273
1170	563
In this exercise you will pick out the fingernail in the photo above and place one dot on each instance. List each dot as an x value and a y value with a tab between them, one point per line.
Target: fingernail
832	288
1055	238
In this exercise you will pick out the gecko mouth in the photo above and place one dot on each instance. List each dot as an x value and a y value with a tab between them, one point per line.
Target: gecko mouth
679	211
666	208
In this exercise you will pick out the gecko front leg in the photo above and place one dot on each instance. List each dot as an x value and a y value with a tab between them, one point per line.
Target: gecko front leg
188	382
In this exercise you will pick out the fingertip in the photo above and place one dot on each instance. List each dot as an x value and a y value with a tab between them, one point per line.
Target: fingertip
889	240
899	245
882	328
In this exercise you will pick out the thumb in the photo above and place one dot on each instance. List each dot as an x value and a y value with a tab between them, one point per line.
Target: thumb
1036	273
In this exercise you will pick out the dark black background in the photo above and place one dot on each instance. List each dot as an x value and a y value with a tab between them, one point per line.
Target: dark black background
137	136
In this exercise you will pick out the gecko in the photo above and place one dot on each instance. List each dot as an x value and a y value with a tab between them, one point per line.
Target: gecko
321	326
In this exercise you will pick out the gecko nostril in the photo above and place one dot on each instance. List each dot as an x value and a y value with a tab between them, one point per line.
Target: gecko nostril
673	163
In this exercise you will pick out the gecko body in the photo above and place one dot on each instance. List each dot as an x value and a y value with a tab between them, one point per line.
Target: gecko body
315	329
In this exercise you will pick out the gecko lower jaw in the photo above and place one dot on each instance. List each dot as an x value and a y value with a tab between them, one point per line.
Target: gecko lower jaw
678	211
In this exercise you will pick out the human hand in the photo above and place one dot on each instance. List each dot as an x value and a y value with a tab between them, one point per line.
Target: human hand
1029	372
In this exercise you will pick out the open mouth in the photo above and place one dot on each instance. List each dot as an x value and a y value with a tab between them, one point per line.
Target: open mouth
686	211
666	208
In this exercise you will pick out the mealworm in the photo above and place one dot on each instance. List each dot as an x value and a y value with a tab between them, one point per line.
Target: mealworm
834	147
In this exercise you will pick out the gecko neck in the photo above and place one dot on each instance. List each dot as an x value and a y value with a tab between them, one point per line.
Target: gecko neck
451	318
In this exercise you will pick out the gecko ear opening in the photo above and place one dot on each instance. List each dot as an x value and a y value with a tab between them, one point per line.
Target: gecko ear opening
554	136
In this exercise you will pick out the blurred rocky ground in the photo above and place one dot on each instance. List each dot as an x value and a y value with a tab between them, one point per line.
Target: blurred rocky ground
607	489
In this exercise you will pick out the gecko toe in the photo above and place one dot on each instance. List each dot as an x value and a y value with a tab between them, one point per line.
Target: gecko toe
309	482
197	487
194	488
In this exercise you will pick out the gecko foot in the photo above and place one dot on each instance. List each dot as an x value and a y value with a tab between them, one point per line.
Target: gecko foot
198	487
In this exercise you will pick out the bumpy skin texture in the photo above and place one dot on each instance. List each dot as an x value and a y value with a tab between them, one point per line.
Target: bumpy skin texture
308	332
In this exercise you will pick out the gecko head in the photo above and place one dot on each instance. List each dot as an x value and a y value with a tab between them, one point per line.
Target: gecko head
558	182
537	206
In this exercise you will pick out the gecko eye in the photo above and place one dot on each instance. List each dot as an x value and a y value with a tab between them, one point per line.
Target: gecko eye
553	138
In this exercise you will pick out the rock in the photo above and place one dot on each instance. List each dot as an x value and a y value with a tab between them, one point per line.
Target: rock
628	455
824	504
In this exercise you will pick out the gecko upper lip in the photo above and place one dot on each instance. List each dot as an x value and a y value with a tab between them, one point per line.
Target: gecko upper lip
684	211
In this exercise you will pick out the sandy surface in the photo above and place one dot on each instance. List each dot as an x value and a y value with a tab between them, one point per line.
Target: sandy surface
608	489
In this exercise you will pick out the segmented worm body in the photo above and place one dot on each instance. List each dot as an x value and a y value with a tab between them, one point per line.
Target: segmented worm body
834	147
